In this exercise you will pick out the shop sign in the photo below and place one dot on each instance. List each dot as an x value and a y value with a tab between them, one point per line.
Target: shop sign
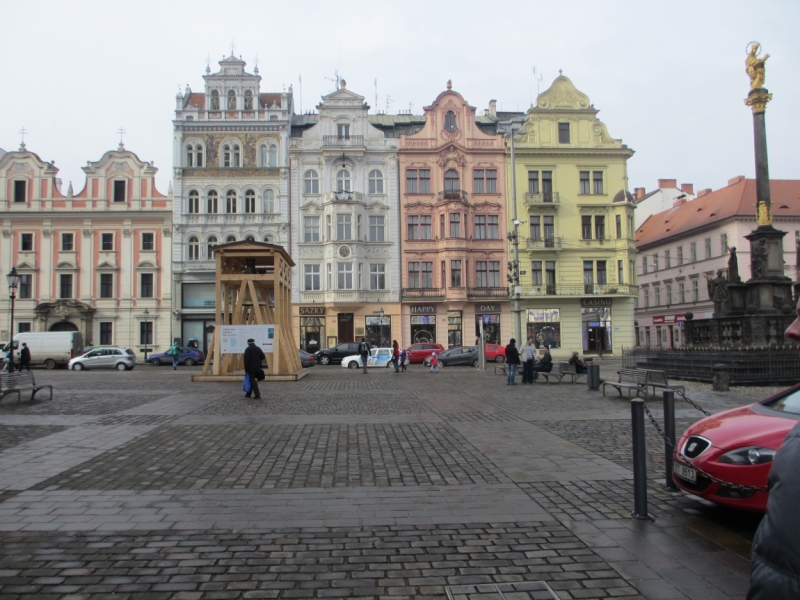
488	308
312	311
668	319
595	301
423	309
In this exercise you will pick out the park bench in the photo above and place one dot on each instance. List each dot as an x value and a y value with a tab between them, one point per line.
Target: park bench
21	381
629	379
568	370
551	375
658	379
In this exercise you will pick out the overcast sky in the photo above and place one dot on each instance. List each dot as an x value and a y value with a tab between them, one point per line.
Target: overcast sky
667	77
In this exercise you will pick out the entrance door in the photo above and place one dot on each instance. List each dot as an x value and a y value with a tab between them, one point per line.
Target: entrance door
345	327
596	339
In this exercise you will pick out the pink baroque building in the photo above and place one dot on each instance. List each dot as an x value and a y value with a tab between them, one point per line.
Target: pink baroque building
453	226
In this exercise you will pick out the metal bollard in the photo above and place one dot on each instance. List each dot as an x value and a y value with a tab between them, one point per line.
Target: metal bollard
639	461
669	443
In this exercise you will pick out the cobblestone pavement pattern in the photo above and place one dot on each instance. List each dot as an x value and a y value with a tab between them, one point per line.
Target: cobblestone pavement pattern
448	485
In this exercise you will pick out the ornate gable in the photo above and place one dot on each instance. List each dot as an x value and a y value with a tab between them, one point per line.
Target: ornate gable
563	95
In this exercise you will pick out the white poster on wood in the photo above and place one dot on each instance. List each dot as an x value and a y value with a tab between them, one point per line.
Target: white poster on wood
234	338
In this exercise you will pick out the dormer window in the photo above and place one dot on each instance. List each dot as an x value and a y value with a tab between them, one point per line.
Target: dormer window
343	181
19	190
231	100
248	100
214	100
450	122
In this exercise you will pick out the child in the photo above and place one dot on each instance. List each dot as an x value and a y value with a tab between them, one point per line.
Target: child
403	359
434	363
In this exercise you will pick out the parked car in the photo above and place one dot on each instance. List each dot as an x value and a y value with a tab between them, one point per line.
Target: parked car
188	357
337	353
736	446
306	359
460	355
417	353
121	359
49	348
495	352
378	357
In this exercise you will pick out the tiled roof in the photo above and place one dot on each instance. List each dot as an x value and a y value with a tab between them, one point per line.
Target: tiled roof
197	100
737	199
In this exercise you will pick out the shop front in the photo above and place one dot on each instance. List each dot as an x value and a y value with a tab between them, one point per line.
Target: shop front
312	328
544	327
596	325
455	323
197	314
489	314
325	326
423	323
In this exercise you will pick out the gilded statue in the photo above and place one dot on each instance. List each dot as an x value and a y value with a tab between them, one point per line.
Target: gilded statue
754	65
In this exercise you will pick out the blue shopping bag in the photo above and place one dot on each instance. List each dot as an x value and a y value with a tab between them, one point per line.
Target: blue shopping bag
246	384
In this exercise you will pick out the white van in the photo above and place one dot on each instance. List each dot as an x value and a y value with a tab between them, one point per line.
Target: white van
49	348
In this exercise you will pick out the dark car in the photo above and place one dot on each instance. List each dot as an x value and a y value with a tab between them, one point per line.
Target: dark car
306	359
188	357
422	350
461	355
335	355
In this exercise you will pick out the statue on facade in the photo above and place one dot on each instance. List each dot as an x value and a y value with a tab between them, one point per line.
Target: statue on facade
214	100
231	102
758	260
718	290
733	267
754	65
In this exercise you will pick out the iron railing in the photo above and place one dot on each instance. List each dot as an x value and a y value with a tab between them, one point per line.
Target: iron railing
343	140
459	195
487	292
546	243
428	293
612	289
545	198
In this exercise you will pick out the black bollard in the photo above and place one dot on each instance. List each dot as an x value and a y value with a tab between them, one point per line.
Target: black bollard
639	461
669	443
593	376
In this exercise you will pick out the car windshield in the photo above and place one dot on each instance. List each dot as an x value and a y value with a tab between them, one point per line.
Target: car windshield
789	403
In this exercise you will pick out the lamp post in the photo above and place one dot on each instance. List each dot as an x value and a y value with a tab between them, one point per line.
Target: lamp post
513	267
13	282
146	332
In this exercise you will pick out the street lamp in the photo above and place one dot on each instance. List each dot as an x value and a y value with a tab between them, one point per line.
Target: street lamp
13	282
511	133
146	332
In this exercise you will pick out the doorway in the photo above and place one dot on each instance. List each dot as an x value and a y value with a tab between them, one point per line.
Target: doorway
345	327
597	339
64	326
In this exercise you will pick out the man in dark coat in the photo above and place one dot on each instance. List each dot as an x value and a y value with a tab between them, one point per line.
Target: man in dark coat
253	357
580	366
25	357
512	358
363	350
545	364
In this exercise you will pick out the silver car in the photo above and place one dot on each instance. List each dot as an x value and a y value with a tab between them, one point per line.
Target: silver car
121	359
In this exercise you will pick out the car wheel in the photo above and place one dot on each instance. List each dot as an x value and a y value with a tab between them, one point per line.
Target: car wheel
324	359
155	362
476	362
352	365
121	367
77	367
49	364
189	362
500	358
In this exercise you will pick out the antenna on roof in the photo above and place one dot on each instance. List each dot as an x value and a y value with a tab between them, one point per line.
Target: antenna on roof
376	94
233	47
300	92
388	101
538	79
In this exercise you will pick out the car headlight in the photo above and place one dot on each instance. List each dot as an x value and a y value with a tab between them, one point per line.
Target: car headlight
752	455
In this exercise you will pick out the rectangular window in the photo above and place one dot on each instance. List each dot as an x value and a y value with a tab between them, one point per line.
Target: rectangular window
310	229
343	131
425	227
667	259
563	133
657	291
477	181
194	203
250	204
695	291
708	247
328	227
25	286
424	181
632	271
620	272
24	327
536	232
377	277
680	255
647	301
644	265
493	228
547	185
344	228
693	252
67	242
681	293
584	182
723	243
631	227
26	242
19	191
494	273
441	226
668	289
550	276
413	224
597	179
413	275
533	182
455	225
146	332
411	181
480	227
444	274
377	230
602	277
549	228
655	262
119	191
65	281
586	227
107	241
618	222
148	241
588	276
311	278
106	333
599	227
345	276
146	286
330	277
491	181
481	274
427	275
106	285
536	272
455	273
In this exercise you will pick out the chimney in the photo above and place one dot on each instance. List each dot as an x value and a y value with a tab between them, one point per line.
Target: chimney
702	193
638	193
492	108
688	189
735	180
667	183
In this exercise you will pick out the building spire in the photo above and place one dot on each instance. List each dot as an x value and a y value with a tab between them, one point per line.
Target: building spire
121	132
22	133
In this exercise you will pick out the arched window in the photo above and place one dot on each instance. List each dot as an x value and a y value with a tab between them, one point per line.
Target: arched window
269	201
248	100
226	155
189	156
194	202
311	182
250	201
250	238
230	201
451	181
214	99
235	162
450	122
273	156
198	155
231	100
268	239
375	182
194	248
230	238
343	181
212	241
213	207
263	157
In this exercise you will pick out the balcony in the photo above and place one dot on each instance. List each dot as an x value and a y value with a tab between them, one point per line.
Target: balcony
548	243
538	200
424	294
611	289
453	195
488	292
233	219
344	141
345	296
343	196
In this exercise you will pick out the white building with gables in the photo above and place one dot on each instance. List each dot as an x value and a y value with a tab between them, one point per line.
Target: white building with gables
231	181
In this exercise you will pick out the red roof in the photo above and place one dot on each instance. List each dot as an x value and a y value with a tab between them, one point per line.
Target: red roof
735	200
197	100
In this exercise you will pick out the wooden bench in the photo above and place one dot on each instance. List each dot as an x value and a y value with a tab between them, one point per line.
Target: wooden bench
629	379
568	370
21	381
658	379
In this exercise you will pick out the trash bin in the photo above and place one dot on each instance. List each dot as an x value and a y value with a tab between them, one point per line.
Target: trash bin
593	377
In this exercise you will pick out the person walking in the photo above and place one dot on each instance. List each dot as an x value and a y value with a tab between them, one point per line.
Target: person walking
403	359
396	356
25	357
363	350
528	358
512	358
253	357
174	351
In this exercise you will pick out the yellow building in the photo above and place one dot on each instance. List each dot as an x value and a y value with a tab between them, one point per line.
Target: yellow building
575	224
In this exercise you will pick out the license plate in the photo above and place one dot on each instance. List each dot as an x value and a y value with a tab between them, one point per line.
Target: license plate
684	472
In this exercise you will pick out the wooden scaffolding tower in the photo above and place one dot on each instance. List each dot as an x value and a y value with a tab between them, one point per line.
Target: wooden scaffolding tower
254	287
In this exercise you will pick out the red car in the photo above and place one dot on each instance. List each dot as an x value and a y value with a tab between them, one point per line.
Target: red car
419	352
736	446
496	352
